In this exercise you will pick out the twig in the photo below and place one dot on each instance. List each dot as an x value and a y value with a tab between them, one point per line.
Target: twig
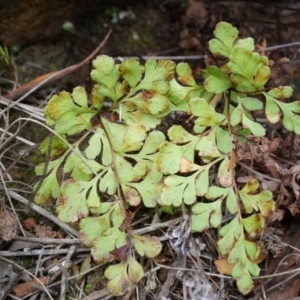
38	252
35	112
157	226
197	57
48	241
25	141
64	278
158	57
278	274
259	175
288	45
281	283
98	295
179	260
26	271
28	88
39	261
10	202
195	270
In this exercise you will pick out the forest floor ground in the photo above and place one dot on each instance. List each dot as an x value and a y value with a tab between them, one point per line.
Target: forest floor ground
178	30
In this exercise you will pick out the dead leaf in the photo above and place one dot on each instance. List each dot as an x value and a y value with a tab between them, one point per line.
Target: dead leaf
294	209
44	231
180	239
295	185
8	225
50	77
261	257
274	144
225	174
233	159
223	266
196	11
17	245
121	253
41	231
284	197
126	224
261	46
278	214
270	185
273	170
85	265
244	179
151	282
295	169
29	224
29	287
171	277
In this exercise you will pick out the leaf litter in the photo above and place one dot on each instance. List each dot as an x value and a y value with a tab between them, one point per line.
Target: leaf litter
261	156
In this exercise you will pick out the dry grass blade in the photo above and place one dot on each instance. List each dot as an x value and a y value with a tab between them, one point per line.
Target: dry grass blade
36	83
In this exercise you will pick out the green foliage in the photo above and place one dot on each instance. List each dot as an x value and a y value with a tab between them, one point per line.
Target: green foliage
122	275
117	165
4	56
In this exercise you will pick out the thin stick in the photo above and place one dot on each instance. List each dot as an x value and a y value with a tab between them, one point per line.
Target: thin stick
28	88
10	202
260	175
37	252
196	57
157	226
47	241
26	271
64	279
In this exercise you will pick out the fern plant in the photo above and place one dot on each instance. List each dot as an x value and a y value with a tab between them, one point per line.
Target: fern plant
121	159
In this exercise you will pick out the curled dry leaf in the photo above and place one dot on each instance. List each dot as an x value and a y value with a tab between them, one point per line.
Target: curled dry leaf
181	240
180	234
29	287
86	265
41	231
8	225
271	185
278	214
261	46
44	231
296	185
121	253
294	209
151	282
233	159
223	266
274	144
257	148
199	286
284	197
29	224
